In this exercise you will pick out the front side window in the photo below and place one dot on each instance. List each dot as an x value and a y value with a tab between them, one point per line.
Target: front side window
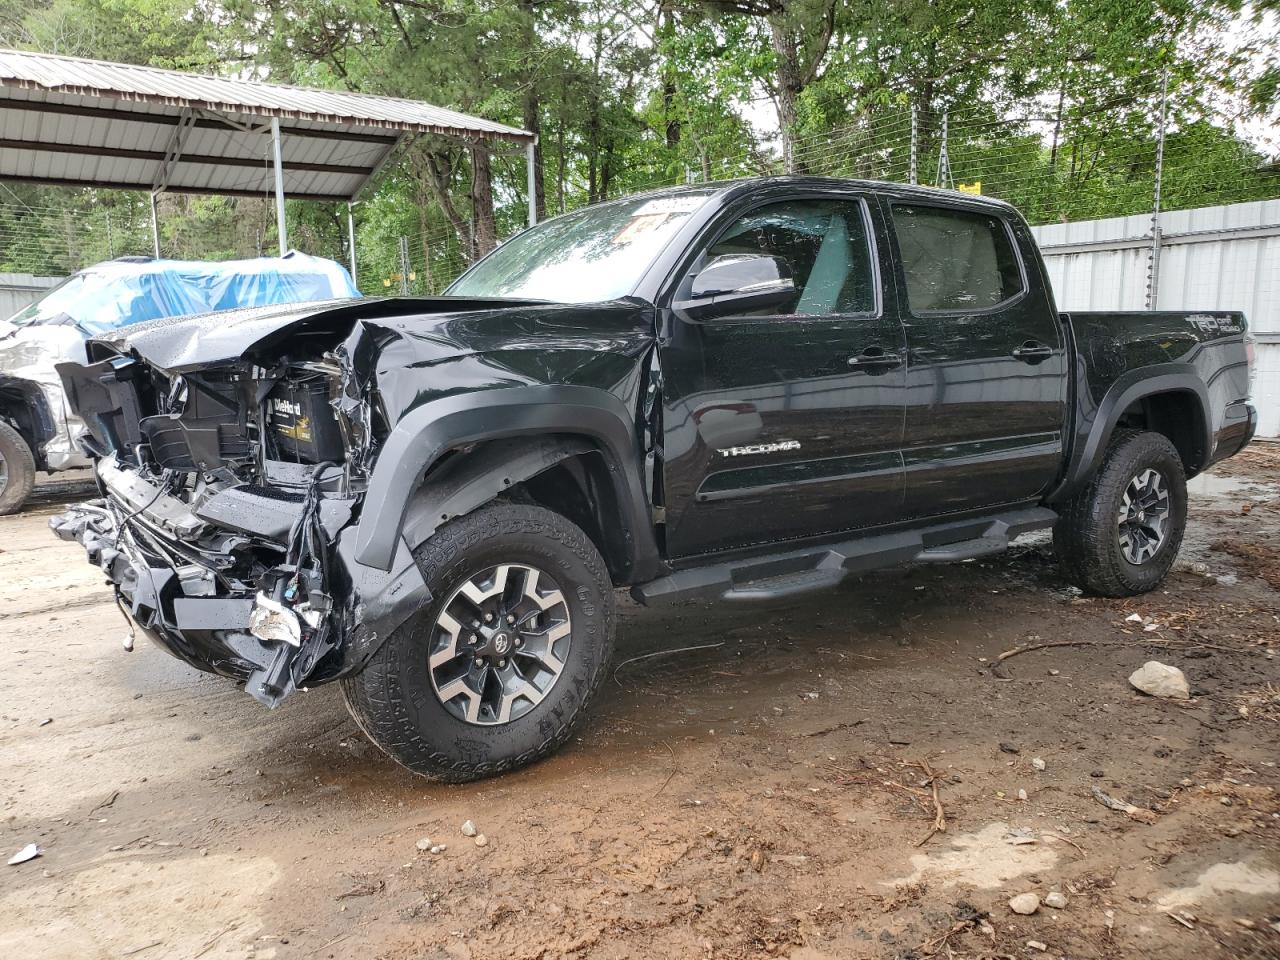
589	256
955	259
823	242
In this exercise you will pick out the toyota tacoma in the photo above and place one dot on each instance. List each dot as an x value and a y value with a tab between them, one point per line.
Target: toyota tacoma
739	391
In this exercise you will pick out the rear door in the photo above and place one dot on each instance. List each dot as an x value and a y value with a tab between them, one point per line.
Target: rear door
986	374
786	424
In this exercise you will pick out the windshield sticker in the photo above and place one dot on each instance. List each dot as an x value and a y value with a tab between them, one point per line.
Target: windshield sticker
684	204
638	225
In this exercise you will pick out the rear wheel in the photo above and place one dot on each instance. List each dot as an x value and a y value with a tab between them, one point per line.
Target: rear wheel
17	470
1119	536
496	671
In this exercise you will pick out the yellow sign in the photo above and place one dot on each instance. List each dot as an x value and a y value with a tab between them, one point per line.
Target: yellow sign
975	188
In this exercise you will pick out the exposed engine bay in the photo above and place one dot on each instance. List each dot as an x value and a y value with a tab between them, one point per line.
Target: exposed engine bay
225	492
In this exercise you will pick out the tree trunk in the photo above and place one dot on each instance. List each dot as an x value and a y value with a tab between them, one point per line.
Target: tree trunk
424	230
666	29
606	172
1057	128
533	110
483	224
788	89
560	165
593	122
439	176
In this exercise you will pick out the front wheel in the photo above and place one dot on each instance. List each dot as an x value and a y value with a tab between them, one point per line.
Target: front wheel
17	470
1119	536
496	671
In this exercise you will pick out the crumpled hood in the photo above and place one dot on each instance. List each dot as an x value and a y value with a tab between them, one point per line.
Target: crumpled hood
440	328
182	343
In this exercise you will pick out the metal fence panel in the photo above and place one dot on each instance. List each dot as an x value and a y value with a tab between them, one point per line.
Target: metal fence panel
19	289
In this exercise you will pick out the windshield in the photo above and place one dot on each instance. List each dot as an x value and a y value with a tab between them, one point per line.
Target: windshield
595	254
56	306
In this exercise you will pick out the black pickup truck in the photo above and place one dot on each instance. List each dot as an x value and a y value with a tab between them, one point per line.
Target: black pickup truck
742	391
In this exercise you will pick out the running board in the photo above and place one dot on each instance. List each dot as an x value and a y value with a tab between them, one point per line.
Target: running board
964	550
818	568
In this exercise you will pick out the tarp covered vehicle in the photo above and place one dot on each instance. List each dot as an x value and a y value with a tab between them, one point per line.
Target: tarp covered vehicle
38	429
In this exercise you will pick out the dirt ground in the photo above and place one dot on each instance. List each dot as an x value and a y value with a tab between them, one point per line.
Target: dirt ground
770	792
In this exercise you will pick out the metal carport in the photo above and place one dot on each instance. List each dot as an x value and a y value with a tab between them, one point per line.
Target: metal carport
66	121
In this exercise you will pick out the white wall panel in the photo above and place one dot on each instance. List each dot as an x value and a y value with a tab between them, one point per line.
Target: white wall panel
1212	258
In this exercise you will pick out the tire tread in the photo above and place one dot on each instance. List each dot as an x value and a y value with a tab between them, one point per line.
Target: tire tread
1084	535
374	696
22	470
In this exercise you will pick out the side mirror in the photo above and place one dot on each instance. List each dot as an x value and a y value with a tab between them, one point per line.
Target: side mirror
739	283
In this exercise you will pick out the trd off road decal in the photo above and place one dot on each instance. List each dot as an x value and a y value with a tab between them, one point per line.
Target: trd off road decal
1208	324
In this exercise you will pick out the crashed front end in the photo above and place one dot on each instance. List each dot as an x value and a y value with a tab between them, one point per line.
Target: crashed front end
230	491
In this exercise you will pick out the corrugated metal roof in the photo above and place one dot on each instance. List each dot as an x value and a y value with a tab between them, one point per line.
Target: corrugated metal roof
123	81
71	122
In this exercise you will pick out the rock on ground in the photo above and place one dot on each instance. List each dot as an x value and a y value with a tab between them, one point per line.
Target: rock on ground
1161	680
1024	903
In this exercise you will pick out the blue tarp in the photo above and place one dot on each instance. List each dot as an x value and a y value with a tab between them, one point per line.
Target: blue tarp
118	293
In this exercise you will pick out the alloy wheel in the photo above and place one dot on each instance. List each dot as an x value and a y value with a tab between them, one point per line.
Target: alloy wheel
499	644
1144	517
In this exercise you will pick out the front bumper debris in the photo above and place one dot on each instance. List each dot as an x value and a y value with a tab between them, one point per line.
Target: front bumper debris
271	635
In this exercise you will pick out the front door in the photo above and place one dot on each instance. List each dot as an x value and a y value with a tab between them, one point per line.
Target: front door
787	423
986	377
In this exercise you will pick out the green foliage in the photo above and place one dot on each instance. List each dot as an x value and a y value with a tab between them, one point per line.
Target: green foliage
1053	105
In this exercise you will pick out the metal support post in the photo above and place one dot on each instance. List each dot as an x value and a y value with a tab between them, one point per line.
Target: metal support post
155	227
944	159
351	242
281	229
1153	263
530	159
404	266
915	146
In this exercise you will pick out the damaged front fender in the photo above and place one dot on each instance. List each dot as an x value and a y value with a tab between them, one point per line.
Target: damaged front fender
267	473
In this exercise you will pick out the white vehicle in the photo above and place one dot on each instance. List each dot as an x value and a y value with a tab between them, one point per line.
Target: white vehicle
38	430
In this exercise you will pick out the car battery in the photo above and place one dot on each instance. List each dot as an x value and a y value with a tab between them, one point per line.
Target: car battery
302	422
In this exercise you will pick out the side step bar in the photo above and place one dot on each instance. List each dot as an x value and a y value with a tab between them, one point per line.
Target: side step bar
818	568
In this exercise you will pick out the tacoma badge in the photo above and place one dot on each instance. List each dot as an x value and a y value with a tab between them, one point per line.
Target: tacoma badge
755	448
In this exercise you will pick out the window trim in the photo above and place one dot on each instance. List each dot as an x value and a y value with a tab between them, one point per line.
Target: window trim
929	204
734	212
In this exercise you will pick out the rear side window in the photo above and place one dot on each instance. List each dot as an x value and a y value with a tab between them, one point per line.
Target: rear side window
955	259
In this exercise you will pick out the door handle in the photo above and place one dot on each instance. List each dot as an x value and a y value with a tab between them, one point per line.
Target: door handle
1032	351
874	358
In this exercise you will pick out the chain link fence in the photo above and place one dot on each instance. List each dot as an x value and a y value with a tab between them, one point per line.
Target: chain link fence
1134	152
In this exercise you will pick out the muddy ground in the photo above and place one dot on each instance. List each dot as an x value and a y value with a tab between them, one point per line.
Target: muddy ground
767	794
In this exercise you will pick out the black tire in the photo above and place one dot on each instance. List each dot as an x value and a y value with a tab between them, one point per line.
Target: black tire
19	470
1086	537
394	699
